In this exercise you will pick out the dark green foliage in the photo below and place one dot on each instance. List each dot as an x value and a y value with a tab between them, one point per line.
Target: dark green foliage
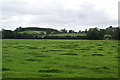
64	37
109	30
7	34
95	34
63	31
71	31
116	33
19	29
48	33
86	31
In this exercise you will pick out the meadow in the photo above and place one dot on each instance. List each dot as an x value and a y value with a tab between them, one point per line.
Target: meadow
30	58
68	34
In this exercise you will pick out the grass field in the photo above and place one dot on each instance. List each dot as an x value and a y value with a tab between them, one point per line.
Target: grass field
68	34
32	32
61	35
60	58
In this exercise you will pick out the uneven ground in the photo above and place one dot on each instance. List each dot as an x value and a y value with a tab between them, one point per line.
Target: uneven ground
60	58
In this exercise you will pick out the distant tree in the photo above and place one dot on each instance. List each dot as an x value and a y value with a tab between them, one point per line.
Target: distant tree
95	34
109	30
48	32
19	29
24	36
71	31
1	34
7	34
103	31
79	31
110	27
63	31
17	35
116	34
85	30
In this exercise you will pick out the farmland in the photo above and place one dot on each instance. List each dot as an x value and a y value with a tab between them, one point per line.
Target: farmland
68	34
30	58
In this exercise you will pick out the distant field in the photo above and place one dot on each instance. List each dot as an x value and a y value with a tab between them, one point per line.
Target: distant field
43	34
32	32
63	34
68	34
60	58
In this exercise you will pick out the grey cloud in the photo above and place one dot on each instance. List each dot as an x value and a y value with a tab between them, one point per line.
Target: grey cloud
66	16
56	14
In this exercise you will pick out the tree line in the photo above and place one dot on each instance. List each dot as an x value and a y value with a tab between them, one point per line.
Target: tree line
91	33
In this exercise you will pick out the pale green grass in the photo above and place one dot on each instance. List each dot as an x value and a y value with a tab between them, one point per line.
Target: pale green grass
32	32
68	34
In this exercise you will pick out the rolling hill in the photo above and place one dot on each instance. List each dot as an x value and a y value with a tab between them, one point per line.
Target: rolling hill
36	30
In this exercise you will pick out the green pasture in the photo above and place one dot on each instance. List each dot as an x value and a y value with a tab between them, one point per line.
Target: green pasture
32	32
69	34
29	58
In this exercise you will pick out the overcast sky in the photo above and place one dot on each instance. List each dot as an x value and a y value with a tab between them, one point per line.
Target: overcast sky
59	14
